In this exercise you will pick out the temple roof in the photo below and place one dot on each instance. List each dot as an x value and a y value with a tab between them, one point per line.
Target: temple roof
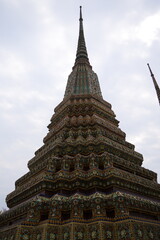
82	80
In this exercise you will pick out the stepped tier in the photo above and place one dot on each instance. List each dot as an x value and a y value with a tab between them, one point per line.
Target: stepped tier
84	212
68	175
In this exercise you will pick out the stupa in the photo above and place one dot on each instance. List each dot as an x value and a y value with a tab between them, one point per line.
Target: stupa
86	181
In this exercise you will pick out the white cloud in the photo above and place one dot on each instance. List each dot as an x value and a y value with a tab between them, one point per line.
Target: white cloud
12	66
149	29
126	32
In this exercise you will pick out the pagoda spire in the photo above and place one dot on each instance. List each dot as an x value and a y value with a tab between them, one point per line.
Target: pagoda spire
81	48
155	83
82	80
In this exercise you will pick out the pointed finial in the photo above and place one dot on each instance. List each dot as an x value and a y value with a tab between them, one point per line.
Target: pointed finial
81	48
155	83
150	70
82	80
81	13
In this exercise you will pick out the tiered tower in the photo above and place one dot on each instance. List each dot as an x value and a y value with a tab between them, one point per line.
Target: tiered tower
86	181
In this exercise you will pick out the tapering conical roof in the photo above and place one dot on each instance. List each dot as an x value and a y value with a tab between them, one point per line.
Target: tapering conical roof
81	48
82	80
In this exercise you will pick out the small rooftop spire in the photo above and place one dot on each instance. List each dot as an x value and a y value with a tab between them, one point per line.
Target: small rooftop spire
155	83
81	48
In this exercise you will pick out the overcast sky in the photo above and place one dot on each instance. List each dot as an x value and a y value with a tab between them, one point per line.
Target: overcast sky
38	41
